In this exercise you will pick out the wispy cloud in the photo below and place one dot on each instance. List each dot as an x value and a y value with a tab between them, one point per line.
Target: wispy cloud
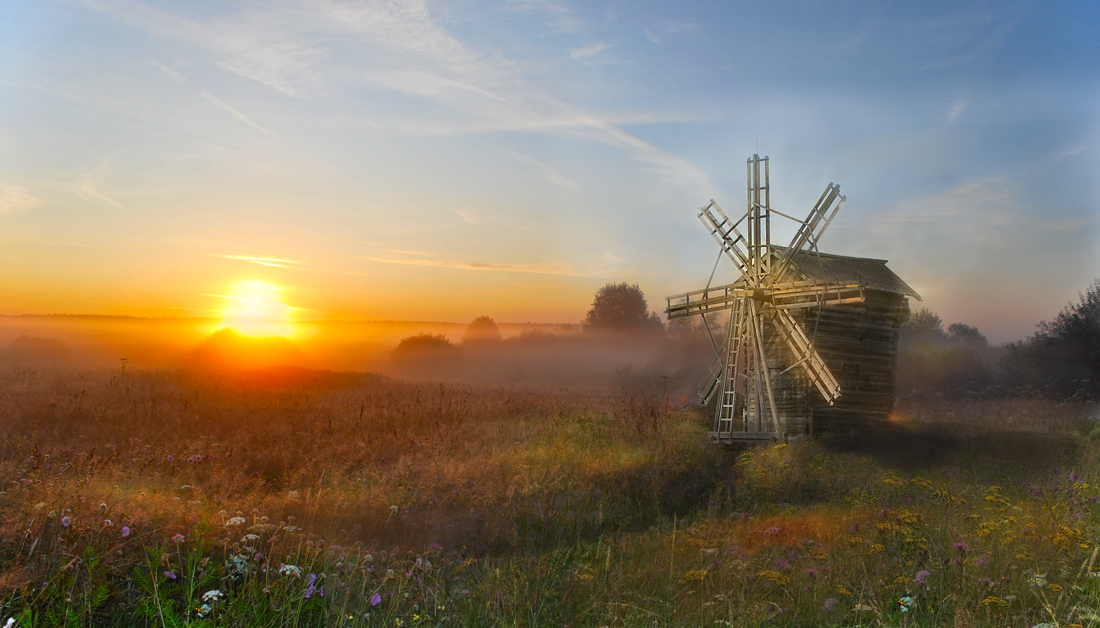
15	199
957	111
416	258
214	100
468	215
551	173
587	51
86	188
275	262
323	50
560	16
169	71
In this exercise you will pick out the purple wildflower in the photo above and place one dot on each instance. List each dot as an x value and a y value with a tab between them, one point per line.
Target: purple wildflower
66	521
171	575
375	599
831	603
178	538
311	588
961	546
922	575
125	531
811	572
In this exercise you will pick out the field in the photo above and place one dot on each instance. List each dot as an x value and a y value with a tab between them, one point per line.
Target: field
296	498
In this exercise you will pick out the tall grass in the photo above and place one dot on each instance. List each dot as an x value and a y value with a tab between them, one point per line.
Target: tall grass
168	499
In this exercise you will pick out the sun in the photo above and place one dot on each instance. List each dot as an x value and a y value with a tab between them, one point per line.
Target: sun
254	308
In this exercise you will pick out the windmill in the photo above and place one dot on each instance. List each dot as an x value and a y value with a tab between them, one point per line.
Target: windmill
787	301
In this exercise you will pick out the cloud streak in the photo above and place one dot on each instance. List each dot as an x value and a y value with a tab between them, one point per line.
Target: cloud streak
414	258
214	100
15	199
274	262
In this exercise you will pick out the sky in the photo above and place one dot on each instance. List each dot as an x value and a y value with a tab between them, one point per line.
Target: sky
418	160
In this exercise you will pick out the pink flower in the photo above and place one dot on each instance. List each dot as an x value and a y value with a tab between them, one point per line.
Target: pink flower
375	599
125	531
66	521
171	575
178	538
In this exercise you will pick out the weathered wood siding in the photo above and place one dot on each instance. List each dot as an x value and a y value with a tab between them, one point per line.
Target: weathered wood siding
859	344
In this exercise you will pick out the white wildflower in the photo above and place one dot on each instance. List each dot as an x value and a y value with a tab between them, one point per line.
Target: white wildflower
235	521
250	537
291	570
213	595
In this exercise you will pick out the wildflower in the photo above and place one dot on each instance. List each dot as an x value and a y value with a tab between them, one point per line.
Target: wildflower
774	577
103	506
66	521
922	575
369	558
257	556
235	521
310	588
904	603
125	531
107	523
291	570
213	595
10	623
250	537
831	603
961	546
811	572
772	531
171	575
861	608
393	509
171	458
178	538
389	573
375	599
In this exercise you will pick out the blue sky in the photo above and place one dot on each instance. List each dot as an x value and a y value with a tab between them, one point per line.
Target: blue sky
438	161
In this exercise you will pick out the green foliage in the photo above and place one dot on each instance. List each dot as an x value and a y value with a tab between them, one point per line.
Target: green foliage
1062	358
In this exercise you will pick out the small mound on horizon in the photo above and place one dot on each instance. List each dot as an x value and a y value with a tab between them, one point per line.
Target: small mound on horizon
228	350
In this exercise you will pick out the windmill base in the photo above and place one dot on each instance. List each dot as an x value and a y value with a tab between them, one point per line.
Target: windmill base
729	438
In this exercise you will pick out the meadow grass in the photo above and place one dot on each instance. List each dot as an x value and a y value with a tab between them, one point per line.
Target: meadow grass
149	498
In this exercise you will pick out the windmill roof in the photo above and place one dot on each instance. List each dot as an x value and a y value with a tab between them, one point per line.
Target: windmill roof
872	273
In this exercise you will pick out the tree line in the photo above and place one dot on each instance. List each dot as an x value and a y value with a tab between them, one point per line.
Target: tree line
1061	360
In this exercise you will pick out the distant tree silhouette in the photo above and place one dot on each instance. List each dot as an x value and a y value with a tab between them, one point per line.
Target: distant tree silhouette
924	329
481	329
1063	356
423	343
620	306
934	361
967	335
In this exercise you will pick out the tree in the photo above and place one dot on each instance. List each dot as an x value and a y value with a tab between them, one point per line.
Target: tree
620	306
481	329
923	329
1063	356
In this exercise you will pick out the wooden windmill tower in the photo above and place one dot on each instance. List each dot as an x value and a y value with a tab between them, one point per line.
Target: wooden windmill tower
811	339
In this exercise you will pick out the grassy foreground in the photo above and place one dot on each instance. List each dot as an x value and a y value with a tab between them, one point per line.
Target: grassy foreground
145	498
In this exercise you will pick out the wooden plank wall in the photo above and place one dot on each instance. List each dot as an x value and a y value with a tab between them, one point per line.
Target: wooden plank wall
859	343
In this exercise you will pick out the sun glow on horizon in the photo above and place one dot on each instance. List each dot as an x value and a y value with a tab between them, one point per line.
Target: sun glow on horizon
254	308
